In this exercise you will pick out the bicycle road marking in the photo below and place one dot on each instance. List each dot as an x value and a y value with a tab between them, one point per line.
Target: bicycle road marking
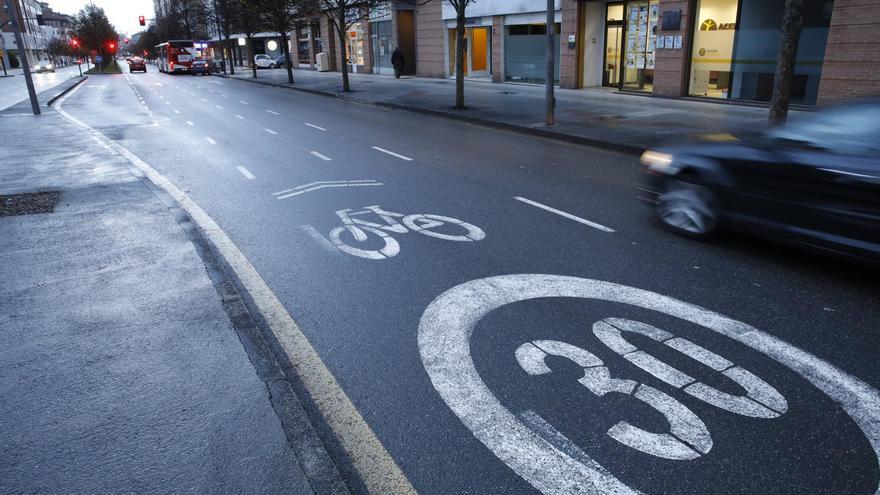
444	336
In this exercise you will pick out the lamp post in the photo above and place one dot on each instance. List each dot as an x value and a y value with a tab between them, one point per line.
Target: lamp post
25	65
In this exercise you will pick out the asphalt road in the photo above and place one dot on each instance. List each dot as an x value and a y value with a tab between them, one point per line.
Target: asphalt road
465	406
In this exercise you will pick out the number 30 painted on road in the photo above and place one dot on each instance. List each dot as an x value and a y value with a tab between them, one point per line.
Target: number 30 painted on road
444	344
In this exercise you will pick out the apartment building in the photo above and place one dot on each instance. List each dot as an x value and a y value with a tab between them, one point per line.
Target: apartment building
28	14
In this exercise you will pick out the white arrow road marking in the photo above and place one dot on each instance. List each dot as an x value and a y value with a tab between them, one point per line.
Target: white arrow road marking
245	172
322	157
316	127
564	214
314	186
396	155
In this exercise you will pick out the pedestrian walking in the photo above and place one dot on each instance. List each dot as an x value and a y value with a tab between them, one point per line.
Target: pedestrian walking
398	61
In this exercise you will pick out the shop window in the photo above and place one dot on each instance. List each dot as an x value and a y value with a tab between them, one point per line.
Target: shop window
736	44
525	53
381	44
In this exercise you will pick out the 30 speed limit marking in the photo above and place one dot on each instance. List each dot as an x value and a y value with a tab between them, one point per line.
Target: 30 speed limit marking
444	343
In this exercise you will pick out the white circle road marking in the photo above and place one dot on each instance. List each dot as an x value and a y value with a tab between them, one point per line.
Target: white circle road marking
444	344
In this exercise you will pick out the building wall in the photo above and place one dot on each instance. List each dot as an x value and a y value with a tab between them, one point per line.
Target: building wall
568	59
670	66
430	45
851	53
498	48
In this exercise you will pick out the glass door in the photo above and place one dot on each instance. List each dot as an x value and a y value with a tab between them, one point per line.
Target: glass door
640	44
613	45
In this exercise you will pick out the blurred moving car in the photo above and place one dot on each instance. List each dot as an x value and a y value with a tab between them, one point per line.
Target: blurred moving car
137	64
44	66
200	66
264	62
280	62
814	182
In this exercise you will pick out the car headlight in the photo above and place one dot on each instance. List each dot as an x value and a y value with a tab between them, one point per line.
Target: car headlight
656	161
49	66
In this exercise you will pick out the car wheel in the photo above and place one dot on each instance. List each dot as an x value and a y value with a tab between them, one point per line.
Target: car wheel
687	208
271	66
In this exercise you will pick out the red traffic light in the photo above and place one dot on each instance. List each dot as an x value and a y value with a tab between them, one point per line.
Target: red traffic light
141	20
145	53
126	41
74	42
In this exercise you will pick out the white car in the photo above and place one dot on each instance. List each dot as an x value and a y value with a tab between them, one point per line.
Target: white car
264	62
44	66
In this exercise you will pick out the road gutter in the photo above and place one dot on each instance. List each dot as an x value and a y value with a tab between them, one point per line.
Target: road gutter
230	270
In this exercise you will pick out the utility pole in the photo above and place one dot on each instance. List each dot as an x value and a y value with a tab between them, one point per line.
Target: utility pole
25	65
220	36
551	51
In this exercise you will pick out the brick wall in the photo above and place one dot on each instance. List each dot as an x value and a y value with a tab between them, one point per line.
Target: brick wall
330	39
568	63
430	44
670	65
497	53
852	53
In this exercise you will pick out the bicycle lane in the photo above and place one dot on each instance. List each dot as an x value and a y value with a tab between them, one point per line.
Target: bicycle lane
363	315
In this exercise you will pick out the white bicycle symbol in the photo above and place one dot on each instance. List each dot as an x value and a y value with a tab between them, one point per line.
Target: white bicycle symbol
419	222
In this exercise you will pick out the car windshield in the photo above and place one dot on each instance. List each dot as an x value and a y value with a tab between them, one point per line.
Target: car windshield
43	62
849	129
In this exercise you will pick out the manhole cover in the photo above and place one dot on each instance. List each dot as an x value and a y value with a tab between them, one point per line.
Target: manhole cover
28	203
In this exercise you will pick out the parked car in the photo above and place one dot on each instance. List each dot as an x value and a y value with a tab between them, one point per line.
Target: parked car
280	62
264	62
44	66
137	64
200	66
814	182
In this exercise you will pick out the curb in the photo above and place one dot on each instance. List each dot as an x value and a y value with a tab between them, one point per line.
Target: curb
67	90
531	131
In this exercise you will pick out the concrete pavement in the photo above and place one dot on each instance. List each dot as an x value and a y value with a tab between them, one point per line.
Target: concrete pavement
597	116
121	370
13	90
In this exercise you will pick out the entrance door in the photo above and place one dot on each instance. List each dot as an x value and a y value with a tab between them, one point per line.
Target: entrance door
640	38
613	45
477	43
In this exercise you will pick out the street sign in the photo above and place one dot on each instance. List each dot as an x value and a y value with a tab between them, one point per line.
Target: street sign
99	59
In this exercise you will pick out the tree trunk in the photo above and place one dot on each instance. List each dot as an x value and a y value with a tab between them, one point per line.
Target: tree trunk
250	50
285	50
459	56
341	31
231	50
792	21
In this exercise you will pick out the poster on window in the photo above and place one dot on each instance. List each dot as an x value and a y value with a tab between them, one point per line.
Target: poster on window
649	61
630	61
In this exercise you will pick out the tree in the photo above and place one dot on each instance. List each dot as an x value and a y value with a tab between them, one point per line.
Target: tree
249	22
280	16
224	16
343	14
191	16
147	41
460	6
58	48
792	22
93	29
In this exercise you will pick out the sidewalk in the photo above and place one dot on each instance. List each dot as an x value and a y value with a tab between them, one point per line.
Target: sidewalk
598	116
119	368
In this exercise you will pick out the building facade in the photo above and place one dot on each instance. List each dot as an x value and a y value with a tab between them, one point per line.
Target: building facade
29	15
720	50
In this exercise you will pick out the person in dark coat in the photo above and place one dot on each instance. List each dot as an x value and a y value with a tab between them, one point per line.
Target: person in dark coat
398	62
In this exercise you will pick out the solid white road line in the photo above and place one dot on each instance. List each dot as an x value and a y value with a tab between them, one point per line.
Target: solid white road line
322	157
324	186
270	131
316	127
208	139
564	214
189	123
374	464
239	117
245	172
383	150
310	184
273	113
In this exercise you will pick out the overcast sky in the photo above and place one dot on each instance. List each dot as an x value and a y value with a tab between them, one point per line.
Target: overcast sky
123	14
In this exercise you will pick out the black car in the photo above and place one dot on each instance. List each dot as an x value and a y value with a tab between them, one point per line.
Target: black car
137	64
280	62
814	182
200	66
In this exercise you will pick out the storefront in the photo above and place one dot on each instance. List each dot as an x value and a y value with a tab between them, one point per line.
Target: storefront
735	46
381	46
477	48
525	53
630	41
355	47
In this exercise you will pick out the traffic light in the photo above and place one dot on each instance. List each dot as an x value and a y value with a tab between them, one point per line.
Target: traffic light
142	21
74	43
126	41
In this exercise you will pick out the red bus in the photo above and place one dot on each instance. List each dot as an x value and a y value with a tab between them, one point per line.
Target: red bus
175	56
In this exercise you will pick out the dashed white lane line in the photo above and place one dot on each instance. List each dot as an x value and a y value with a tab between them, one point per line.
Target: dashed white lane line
167	102
189	122
243	102
245	172
239	117
316	127
270	131
322	157
208	139
225	96
564	214
273	113
177	111
204	100
396	155
218	107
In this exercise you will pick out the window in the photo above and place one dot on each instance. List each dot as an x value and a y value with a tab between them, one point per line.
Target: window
525	53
